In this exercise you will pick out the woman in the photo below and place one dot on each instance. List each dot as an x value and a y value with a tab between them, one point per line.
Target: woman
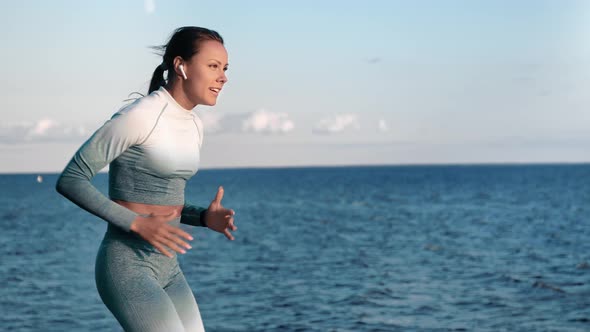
153	146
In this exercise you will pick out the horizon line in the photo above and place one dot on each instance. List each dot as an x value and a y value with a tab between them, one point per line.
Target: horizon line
466	164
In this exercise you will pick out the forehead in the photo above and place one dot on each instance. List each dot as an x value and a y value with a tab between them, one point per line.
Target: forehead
212	49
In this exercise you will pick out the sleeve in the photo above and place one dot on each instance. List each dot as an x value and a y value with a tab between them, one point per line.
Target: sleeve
193	215
126	128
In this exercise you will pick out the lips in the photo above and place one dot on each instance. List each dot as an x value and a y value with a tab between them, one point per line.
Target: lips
215	90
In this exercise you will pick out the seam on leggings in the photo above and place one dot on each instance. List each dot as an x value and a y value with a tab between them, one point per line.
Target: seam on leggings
172	279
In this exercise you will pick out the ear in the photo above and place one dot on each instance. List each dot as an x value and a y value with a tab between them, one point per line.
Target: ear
178	67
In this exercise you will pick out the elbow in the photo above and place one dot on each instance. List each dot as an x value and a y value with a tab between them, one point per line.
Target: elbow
63	185
59	185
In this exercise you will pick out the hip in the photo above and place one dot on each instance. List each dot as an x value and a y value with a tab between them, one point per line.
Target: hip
126	256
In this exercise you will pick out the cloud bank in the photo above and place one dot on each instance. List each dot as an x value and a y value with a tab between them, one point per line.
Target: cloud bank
257	122
336	124
44	130
211	121
383	126
266	122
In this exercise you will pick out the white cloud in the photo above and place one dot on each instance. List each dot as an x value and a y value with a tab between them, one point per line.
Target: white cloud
43	126
149	6
383	126
336	124
44	130
211	121
266	122
260	122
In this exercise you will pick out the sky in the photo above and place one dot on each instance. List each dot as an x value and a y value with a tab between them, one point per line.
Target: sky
311	83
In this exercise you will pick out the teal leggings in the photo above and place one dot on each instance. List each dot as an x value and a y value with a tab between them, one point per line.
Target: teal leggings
145	290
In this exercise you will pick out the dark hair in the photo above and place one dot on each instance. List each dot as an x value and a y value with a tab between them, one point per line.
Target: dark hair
184	42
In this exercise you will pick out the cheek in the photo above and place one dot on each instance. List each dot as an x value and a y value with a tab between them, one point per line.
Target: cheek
197	86
201	81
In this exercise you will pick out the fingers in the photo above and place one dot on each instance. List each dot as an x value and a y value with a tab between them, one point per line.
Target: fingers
160	234
221	219
228	234
173	234
170	244
226	212
170	237
180	232
219	195
229	212
162	250
178	241
230	223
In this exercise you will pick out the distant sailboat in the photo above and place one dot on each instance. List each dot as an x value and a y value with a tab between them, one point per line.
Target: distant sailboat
39	178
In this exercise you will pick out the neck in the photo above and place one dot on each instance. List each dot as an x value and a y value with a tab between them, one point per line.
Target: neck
180	96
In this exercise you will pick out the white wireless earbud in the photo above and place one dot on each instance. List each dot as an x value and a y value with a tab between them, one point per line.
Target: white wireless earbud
182	71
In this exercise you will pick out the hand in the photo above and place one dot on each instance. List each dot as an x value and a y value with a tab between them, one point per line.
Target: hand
157	231
219	218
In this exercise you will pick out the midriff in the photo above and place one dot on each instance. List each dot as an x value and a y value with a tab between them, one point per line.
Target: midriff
151	209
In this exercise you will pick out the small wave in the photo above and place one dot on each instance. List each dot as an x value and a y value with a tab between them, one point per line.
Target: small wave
379	293
482	196
432	247
511	279
540	284
10	215
354	300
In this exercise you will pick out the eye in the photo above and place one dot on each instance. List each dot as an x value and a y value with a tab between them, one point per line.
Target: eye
213	66
225	69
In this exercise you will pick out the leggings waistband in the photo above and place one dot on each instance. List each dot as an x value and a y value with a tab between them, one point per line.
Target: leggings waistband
114	233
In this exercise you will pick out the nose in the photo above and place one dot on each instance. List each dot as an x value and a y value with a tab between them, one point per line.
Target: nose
222	79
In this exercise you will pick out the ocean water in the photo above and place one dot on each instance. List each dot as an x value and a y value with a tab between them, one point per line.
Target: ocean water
416	248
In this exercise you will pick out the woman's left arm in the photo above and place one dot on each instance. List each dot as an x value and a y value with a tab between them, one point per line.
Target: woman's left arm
193	215
215	217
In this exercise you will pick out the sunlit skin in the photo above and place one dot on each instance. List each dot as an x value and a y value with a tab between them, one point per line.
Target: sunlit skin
205	72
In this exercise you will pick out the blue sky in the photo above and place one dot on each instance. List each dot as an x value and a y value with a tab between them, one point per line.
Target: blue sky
312	82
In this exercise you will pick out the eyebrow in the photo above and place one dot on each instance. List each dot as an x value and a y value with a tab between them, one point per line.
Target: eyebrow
219	62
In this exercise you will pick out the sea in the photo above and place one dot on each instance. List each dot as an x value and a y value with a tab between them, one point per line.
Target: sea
374	248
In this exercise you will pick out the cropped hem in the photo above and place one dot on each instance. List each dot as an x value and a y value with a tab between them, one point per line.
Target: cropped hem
148	198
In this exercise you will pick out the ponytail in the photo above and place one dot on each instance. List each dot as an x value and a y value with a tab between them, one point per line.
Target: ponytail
157	78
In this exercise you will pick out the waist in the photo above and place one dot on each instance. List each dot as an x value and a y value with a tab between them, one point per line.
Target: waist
130	185
151	198
115	236
151	210
173	213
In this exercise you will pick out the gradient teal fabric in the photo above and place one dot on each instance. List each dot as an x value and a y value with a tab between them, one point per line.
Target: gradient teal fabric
145	290
153	148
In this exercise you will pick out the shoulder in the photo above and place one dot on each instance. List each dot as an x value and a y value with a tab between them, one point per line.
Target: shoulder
137	119
146	108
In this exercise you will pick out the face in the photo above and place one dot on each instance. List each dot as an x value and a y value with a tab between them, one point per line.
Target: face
205	73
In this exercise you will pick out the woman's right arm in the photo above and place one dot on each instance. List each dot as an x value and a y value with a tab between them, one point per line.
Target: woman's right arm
125	129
